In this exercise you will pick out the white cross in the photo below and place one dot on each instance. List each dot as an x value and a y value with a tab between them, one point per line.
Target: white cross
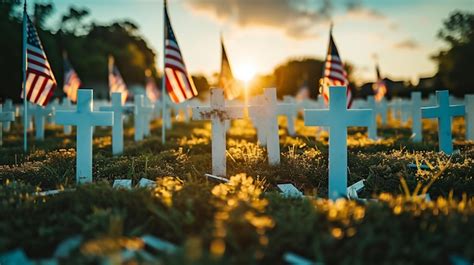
381	108
338	118
395	107
469	99
66	105
84	118
269	120
141	117
166	117
257	116
5	116
444	113
405	111
372	129
416	124
148	117
118	108
290	110
8	106
39	115
218	113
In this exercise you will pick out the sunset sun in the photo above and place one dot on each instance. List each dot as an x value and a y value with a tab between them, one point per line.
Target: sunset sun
245	72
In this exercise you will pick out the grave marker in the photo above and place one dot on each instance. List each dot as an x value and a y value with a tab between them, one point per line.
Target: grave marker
66	105
39	115
416	125
5	116
119	109
8	107
469	99
372	129
444	113
290	110
218	113
338	118
269	120
256	117
141	117
84	118
381	108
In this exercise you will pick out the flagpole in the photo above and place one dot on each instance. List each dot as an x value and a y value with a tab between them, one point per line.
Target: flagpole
25	102
163	80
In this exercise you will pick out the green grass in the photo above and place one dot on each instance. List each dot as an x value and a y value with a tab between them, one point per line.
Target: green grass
259	226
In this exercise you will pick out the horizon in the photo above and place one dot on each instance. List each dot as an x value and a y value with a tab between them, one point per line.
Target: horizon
402	39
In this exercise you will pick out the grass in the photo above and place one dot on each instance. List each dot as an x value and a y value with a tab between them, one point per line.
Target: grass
245	221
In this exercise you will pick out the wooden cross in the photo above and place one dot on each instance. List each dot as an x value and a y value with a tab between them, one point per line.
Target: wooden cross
338	118
444	113
218	113
84	118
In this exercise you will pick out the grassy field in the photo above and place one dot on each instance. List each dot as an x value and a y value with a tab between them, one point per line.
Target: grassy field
245	221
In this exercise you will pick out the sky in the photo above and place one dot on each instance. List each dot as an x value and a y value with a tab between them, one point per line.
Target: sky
262	34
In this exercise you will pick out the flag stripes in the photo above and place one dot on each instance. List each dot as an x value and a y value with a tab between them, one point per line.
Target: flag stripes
116	82
334	73
179	84
72	82
40	82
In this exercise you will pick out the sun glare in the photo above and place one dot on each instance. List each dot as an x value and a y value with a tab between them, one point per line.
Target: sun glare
245	72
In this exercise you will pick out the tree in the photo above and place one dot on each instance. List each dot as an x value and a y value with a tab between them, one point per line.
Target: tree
88	46
292	75
456	64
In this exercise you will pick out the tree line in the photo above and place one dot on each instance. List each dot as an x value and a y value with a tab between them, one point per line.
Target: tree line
88	45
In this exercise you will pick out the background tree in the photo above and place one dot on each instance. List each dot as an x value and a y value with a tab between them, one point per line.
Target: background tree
292	75
87	44
456	64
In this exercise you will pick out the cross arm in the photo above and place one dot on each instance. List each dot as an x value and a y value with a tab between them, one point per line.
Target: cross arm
430	112
202	113
317	118
101	118
457	110
359	117
286	108
7	116
254	110
65	117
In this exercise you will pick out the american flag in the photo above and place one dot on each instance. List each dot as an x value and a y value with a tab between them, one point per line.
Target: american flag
379	87
40	81
71	80
116	83
226	78
152	92
179	84
334	73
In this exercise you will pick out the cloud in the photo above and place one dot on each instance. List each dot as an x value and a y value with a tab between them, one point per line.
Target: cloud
295	18
408	44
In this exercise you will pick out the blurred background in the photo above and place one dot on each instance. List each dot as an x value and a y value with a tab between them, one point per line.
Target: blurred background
419	45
